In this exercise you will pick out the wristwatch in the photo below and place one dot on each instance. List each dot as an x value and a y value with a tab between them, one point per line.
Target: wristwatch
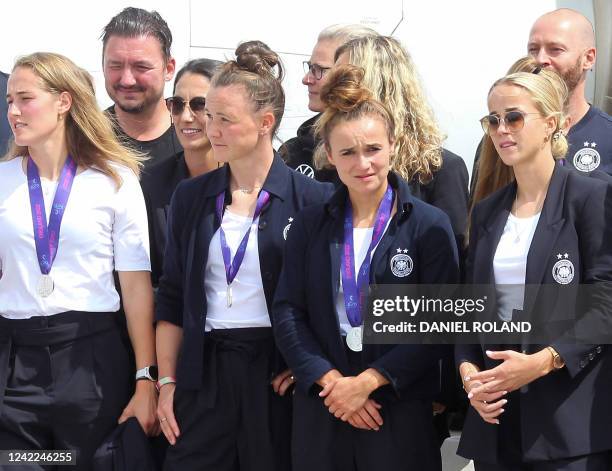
558	362
148	372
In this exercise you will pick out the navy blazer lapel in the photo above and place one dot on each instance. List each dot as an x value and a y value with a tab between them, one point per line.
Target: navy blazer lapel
488	241
546	233
197	252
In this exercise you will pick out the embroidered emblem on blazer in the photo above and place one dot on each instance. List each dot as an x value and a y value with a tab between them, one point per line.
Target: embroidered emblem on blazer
563	270
401	263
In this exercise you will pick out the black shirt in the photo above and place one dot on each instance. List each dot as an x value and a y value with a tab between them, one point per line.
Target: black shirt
298	152
164	147
158	184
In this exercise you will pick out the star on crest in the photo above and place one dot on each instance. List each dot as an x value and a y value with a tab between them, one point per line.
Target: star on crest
586	144
405	250
290	219
399	250
593	144
565	255
559	256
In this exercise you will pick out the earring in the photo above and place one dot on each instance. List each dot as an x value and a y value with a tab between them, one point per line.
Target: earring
557	135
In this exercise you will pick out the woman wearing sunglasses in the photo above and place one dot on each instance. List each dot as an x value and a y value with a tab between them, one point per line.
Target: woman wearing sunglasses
539	406
186	108
360	407
223	399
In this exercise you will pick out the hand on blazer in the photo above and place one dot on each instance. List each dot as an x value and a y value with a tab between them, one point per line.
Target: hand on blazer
487	404
516	370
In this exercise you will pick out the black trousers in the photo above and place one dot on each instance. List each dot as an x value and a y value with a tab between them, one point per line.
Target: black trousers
406	441
64	381
511	455
235	421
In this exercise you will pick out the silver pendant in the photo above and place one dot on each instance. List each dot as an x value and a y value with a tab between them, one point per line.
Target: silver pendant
354	339
229	296
45	286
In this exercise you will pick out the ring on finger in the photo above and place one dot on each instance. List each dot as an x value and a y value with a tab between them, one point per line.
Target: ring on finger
162	420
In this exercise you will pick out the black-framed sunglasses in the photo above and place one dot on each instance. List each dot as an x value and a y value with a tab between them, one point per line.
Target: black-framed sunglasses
315	69
513	120
176	104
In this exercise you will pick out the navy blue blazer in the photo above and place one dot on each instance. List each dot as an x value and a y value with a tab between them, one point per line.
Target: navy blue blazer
568	412
192	222
306	324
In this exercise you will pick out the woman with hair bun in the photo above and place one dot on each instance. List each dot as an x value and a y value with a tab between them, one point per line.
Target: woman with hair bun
542	404
360	406
224	402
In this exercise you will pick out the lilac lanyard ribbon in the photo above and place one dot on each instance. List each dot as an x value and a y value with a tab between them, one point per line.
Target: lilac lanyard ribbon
355	290
232	266
46	237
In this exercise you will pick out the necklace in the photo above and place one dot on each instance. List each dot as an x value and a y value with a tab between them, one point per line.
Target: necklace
248	191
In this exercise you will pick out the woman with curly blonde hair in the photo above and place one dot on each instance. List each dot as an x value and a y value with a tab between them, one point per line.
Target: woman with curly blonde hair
437	176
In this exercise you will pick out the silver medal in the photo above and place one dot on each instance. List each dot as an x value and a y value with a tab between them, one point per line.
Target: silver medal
229	296
354	339
45	286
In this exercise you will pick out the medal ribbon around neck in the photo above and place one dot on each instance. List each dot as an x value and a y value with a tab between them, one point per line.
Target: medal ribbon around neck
355	289
46	237
232	266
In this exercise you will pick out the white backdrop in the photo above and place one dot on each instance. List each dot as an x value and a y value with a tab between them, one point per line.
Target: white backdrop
460	47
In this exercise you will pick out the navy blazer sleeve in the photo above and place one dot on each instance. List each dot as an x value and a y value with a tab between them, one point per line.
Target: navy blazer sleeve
595	241
405	364
169	301
293	336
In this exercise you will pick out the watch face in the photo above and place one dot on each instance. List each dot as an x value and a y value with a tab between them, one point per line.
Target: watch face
153	372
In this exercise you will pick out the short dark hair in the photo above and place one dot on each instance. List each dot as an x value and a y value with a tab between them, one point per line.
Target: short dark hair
204	67
133	22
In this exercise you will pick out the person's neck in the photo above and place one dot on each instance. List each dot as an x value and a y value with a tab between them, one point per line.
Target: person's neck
365	206
200	161
49	158
249	173
147	125
578	106
532	180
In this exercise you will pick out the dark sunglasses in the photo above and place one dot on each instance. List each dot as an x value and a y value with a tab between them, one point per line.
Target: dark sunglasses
176	104
513	120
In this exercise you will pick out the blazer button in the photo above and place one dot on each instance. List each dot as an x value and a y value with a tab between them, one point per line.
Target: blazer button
582	363
262	225
598	349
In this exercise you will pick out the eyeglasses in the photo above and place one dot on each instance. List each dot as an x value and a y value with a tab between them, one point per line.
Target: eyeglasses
315	69
513	120
176	104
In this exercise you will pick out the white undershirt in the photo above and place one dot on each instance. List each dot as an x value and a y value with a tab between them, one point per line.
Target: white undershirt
362	237
249	308
510	263
102	229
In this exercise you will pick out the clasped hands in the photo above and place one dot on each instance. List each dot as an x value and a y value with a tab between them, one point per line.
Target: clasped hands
348	397
486	389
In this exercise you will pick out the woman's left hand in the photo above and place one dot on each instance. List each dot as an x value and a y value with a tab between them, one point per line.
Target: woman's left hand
143	406
282	382
517	369
346	396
